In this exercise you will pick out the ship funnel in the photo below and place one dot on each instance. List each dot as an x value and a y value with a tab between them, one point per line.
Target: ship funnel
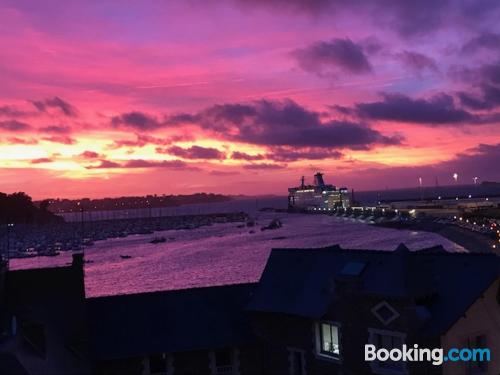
318	179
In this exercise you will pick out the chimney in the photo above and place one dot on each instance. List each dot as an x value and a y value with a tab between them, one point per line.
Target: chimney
318	179
77	260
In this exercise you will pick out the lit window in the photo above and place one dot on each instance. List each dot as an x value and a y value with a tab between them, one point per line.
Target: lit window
328	343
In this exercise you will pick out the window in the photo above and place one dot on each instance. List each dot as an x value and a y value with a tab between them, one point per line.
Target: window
223	361
476	367
387	340
328	343
158	364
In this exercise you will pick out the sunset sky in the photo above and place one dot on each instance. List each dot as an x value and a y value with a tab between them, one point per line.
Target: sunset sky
110	98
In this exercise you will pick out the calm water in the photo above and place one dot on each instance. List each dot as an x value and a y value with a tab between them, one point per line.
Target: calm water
222	253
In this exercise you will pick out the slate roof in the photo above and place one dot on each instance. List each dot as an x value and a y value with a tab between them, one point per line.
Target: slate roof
303	281
10	365
169	321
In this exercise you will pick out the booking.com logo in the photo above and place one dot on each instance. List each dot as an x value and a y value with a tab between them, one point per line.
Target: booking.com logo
436	356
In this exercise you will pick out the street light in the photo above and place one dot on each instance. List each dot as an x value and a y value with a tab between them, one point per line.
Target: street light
9	226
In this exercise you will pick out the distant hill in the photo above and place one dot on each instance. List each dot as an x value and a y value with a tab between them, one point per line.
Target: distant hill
134	202
18	208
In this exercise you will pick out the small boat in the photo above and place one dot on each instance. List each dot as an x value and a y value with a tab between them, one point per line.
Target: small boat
125	256
158	240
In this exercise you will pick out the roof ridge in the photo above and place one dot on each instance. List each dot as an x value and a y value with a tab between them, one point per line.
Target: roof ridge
220	286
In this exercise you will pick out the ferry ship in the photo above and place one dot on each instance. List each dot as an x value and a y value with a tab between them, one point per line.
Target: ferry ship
317	196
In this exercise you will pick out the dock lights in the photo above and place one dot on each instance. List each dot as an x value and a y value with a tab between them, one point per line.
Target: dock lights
470	196
454	218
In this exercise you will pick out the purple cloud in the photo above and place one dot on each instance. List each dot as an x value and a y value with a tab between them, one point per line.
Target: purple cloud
289	155
285	123
437	110
238	155
193	152
14	126
418	62
65	140
56	129
337	54
10	111
55	102
137	120
263	166
140	163
485	40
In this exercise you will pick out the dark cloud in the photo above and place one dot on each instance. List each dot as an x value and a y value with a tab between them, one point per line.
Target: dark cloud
408	18
485	94
337	54
56	129
10	111
290	155
473	102
264	166
418	62
485	40
143	140
41	161
286	154
90	155
55	102
63	139
490	73
137	120
193	152
285	123
238	155
180	118
14	126
437	110
140	163
489	98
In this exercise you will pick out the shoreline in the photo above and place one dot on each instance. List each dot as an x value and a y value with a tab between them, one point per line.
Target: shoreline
471	241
